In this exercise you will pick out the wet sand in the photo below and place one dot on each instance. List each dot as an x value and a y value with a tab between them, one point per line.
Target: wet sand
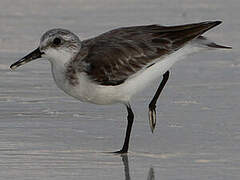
45	134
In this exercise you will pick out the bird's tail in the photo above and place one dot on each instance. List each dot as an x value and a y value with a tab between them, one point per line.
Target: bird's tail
206	43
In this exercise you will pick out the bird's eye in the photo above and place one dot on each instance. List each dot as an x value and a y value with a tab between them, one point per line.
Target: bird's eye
57	41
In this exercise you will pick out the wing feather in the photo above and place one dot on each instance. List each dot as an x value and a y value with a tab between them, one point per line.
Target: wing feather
118	54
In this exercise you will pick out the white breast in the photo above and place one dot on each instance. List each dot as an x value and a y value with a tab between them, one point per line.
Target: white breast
89	91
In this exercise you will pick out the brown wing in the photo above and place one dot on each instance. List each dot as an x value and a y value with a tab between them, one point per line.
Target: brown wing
114	56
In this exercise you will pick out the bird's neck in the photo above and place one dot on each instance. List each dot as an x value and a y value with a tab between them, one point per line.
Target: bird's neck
59	61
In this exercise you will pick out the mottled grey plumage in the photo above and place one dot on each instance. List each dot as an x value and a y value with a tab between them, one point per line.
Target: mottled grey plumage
69	40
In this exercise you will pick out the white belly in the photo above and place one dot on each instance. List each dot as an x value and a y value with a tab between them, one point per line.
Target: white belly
88	91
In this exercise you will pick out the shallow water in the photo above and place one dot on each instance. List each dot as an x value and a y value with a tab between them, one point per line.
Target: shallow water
45	134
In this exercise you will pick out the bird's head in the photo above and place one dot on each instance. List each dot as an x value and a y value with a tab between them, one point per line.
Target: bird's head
57	45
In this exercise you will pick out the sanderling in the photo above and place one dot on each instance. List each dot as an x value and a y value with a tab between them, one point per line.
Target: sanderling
114	66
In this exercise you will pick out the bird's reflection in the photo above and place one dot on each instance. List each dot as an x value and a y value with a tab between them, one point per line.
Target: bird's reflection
126	167
150	176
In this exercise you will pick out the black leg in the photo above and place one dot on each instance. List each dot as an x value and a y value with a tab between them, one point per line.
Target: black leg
152	105
130	118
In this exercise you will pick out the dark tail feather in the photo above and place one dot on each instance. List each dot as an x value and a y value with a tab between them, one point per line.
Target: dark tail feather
214	45
208	43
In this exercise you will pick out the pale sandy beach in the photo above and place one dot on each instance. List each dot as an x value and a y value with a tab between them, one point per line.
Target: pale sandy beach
45	134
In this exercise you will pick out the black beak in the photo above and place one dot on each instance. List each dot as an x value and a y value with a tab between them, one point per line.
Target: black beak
31	56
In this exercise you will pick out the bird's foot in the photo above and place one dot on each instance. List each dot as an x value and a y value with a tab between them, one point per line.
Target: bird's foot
122	151
152	118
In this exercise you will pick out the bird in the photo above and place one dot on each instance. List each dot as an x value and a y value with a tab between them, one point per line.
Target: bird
112	67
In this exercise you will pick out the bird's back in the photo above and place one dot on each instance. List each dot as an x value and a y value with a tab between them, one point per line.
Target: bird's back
113	57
